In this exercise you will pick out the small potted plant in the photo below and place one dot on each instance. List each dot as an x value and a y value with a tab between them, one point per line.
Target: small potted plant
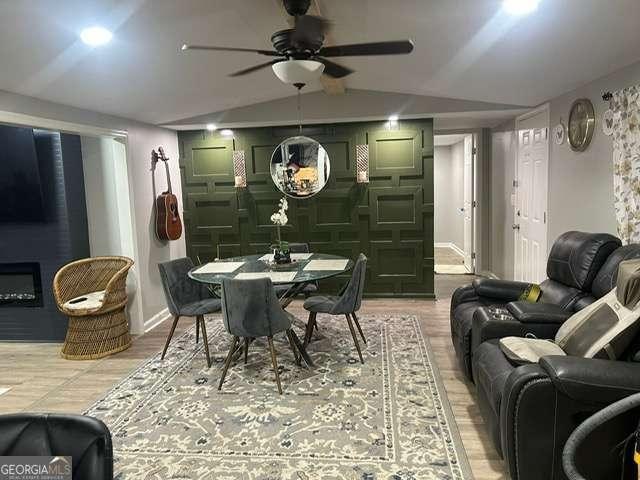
280	248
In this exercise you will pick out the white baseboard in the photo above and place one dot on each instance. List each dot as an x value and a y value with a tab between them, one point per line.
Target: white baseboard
450	245
156	320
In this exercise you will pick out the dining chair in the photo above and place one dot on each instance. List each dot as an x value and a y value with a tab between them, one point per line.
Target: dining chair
186	298
346	303
250	309
311	287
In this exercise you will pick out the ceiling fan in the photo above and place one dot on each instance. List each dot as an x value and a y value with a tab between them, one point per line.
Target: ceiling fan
299	54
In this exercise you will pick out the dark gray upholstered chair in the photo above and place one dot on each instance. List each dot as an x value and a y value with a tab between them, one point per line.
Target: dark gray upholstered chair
186	298
250	309
347	303
309	288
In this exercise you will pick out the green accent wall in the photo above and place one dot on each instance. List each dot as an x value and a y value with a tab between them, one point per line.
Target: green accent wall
390	219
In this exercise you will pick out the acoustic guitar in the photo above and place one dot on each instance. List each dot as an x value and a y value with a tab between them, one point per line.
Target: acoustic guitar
168	223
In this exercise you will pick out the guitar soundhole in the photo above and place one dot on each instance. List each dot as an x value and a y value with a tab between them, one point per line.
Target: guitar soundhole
174	211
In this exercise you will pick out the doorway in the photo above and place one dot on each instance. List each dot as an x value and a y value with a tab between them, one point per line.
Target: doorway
454	162
531	188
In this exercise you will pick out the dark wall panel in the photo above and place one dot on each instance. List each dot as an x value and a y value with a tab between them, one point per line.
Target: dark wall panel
60	238
390	219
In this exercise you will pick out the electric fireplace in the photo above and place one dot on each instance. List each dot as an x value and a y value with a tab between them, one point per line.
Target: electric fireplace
20	285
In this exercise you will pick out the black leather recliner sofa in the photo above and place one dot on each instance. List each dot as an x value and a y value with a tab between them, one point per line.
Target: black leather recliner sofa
574	261
531	410
86	439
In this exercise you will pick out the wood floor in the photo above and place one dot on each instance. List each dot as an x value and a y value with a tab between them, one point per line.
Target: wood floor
40	380
447	256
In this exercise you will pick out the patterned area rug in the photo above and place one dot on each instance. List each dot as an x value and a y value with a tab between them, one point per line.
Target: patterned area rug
387	419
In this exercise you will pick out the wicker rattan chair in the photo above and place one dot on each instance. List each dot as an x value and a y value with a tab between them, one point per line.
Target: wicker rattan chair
91	292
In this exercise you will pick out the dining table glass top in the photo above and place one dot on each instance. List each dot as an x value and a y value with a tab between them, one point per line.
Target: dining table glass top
304	268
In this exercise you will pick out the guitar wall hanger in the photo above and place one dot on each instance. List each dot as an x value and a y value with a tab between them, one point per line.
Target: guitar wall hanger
167	216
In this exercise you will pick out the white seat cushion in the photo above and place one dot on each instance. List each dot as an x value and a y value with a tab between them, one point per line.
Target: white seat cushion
88	301
528	350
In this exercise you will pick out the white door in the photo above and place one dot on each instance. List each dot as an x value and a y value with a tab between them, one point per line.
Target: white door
530	220
468	203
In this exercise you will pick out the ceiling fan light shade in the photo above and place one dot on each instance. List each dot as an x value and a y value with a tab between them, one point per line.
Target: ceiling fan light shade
298	71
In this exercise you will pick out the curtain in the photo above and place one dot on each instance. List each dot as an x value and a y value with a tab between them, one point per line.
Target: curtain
626	163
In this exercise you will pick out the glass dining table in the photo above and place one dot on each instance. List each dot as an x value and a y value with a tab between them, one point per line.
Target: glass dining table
305	268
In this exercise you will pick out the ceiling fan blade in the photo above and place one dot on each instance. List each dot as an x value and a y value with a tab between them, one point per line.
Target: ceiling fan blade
333	69
254	68
309	30
271	53
375	48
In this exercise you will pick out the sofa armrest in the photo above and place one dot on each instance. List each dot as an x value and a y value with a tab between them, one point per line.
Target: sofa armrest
486	326
591	380
543	403
499	289
527	312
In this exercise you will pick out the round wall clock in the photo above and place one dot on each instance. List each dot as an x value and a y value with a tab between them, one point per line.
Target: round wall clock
581	124
559	133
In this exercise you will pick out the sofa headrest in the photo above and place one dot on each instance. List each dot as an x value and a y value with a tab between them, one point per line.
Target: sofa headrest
576	257
606	278
628	284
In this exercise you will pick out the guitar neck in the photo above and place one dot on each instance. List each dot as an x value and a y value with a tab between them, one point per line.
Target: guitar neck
166	167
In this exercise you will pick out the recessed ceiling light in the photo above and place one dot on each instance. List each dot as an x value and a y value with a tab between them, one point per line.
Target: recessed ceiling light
211	127
393	118
96	36
226	132
520	7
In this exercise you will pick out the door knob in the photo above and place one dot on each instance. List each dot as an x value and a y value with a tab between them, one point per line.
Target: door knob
515	226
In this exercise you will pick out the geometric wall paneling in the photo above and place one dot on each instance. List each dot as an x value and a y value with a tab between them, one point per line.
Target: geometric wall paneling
398	263
258	145
397	259
260	206
390	219
394	153
226	250
396	208
334	210
341	152
210	161
214	212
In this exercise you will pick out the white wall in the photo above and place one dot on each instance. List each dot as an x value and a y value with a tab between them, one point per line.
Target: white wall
141	139
448	178
503	147
580	184
109	208
107	194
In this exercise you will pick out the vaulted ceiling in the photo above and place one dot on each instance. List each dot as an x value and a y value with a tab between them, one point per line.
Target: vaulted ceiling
465	49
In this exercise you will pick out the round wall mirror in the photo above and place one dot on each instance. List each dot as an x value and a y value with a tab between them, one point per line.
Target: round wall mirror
300	167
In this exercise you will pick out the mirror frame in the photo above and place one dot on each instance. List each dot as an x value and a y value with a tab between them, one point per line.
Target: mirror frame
290	140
